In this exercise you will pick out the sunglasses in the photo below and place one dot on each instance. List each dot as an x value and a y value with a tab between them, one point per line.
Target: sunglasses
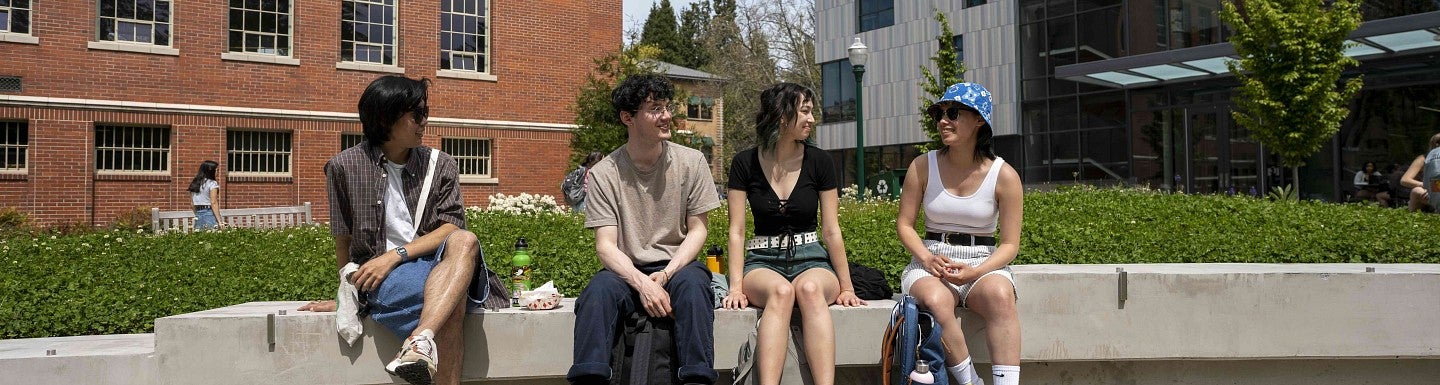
952	113
420	113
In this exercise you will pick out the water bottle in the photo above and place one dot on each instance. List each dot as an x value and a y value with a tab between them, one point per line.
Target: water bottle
922	374
712	259
520	268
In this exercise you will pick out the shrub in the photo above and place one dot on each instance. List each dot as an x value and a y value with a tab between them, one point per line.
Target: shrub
120	281
524	204
14	222
137	218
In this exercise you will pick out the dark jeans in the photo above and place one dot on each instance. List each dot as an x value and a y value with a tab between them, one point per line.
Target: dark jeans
608	300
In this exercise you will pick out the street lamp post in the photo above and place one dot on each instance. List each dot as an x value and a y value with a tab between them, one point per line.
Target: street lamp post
859	53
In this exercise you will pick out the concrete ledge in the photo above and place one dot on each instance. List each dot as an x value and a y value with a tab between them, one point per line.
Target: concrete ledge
1178	323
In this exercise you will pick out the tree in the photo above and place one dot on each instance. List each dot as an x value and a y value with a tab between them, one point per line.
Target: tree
693	21
1292	54
662	32
948	70
599	127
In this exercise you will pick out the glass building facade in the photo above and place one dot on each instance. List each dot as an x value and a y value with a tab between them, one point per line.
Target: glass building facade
1135	126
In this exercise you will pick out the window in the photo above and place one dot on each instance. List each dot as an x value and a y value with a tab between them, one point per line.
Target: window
367	31
974	3
700	108
135	21
14	147
265	153
876	14
127	149
348	140
15	16
472	155
464	35
260	26
959	42
837	92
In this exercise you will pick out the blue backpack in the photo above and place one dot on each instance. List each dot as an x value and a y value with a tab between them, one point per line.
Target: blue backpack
912	335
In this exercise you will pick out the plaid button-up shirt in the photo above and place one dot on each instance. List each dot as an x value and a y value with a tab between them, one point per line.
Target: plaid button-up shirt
355	179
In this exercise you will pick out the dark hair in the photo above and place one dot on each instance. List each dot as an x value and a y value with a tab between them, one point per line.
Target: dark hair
779	105
1371	166
632	92
594	157
386	100
983	144
207	172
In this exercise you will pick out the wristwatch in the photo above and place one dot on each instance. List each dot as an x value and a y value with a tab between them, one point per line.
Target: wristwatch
404	255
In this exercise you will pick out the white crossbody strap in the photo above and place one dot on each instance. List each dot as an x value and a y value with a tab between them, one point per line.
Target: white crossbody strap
425	189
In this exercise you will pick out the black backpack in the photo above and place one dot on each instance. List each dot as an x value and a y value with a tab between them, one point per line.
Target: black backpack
644	353
574	187
870	284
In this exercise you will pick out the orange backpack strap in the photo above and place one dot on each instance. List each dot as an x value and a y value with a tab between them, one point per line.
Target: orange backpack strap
887	349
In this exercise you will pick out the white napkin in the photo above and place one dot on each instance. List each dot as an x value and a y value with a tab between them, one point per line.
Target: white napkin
347	309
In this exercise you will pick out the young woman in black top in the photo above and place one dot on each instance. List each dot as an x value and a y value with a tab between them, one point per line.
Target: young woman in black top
787	182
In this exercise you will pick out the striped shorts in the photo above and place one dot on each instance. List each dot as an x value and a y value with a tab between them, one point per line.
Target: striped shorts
969	255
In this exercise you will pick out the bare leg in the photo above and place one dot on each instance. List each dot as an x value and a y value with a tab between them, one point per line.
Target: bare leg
444	310
815	290
450	341
940	300
769	290
993	298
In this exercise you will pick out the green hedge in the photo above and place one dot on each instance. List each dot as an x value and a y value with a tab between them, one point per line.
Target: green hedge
120	281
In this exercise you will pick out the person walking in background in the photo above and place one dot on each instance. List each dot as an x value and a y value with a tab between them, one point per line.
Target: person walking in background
967	193
575	183
205	196
1419	193
416	261
788	183
1370	184
648	202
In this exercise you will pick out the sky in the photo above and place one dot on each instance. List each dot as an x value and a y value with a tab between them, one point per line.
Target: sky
637	10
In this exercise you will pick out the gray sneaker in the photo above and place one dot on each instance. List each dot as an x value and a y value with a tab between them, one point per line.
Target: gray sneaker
416	361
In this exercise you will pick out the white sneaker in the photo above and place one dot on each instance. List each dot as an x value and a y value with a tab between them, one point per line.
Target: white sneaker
416	361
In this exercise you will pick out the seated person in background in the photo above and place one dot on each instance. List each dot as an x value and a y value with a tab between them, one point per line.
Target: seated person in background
648	203
1369	184
1419	195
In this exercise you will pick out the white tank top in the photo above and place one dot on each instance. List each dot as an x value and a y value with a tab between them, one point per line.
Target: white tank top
975	214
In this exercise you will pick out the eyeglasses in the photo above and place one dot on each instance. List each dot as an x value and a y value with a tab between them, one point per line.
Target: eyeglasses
420	113
661	109
951	113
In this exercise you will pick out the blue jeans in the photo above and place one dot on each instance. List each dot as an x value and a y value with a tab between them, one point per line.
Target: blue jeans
607	300
205	218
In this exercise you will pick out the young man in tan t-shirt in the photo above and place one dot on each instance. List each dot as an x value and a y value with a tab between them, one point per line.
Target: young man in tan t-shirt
647	202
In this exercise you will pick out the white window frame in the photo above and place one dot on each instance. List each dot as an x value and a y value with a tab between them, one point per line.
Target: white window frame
346	135
258	55
483	57
379	66
15	135
133	147
243	168
170	24
461	157
8	34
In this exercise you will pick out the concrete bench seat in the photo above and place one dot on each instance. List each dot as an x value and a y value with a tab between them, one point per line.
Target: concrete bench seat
1180	323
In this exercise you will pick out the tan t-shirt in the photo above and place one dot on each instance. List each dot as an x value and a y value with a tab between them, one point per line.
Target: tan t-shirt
650	208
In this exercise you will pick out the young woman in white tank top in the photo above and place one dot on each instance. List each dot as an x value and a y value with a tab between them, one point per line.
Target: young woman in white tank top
967	193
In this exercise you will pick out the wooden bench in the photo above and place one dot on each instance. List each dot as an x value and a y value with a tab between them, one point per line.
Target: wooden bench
255	218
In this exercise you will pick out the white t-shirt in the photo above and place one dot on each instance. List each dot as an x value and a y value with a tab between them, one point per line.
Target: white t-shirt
399	224
202	198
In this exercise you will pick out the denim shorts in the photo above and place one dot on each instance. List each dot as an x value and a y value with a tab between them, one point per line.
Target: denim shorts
397	303
806	256
205	218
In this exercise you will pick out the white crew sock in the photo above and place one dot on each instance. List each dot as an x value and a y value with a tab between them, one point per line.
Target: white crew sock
964	373
1005	374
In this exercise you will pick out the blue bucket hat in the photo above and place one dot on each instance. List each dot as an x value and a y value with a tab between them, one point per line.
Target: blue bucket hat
971	95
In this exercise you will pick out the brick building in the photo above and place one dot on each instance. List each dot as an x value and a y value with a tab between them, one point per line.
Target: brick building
110	105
